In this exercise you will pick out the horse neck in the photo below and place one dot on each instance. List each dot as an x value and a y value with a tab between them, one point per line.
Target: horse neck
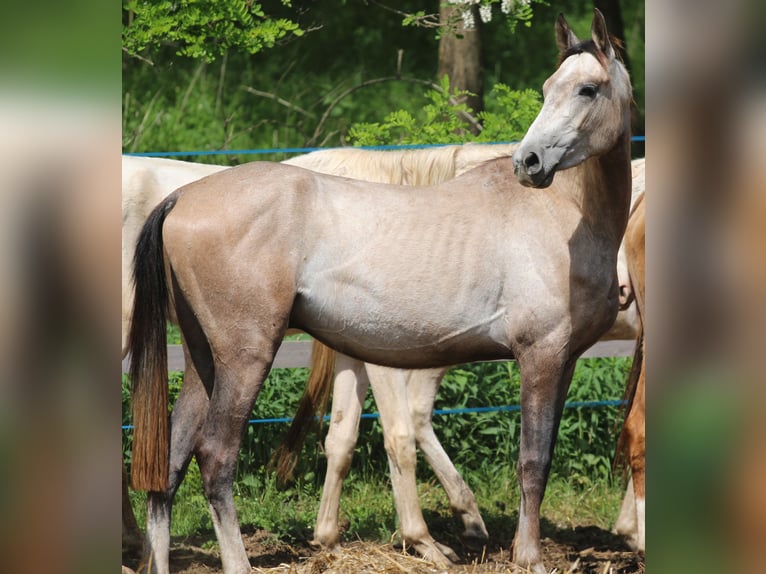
604	190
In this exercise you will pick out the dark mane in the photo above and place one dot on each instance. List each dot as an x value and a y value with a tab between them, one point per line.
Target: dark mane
586	46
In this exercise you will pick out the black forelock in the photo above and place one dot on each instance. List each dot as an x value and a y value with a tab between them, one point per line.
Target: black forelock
590	47
586	46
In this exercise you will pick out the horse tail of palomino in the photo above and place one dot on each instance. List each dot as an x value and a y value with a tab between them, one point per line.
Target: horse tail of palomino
621	461
147	344
313	404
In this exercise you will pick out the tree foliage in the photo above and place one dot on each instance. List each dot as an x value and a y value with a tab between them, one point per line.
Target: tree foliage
279	97
507	116
203	29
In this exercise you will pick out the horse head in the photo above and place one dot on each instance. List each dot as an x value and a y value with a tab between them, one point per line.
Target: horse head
586	107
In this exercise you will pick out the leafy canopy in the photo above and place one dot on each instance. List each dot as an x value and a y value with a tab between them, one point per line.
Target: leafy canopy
202	29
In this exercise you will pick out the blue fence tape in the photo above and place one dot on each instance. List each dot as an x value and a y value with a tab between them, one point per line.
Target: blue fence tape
461	411
300	149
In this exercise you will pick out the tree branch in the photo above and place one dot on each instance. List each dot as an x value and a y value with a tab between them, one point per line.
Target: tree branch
129	53
277	99
424	20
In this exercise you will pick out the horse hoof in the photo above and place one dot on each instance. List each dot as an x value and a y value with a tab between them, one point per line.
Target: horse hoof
532	569
448	553
319	545
474	535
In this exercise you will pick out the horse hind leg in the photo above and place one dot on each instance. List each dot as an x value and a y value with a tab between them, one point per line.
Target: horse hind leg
422	386
349	389
186	420
240	368
390	391
131	533
626	524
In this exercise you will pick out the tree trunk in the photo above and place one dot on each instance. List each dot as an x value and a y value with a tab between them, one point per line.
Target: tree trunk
460	58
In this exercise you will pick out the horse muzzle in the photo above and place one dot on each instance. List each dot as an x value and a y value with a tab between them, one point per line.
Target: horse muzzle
528	167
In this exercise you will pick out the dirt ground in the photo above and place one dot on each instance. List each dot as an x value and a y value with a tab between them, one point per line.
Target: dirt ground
579	550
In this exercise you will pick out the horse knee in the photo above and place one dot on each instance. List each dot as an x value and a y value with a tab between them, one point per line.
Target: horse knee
214	470
339	452
533	474
422	426
400	447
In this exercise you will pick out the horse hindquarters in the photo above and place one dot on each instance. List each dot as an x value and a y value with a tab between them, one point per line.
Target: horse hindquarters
232	347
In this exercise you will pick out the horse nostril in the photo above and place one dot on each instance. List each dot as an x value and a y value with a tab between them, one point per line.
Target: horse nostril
531	161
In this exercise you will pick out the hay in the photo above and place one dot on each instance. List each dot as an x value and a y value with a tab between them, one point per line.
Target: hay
356	557
376	558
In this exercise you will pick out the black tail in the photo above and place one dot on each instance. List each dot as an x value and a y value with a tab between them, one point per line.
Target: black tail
147	344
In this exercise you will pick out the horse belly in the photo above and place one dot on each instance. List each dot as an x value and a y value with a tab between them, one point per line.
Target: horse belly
407	329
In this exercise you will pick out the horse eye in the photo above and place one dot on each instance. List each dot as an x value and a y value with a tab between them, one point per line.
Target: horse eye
588	90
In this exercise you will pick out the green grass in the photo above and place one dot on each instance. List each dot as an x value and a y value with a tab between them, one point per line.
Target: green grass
367	507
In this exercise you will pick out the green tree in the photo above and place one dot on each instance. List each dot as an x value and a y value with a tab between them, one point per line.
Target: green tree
202	29
310	90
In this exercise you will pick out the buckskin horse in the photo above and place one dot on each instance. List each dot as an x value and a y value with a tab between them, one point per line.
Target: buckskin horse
148	180
485	266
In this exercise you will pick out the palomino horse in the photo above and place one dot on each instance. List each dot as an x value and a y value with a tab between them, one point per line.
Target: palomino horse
631	522
477	268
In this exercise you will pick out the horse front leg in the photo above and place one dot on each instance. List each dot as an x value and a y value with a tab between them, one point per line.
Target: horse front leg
635	424
185	422
626	524
422	386
544	384
349	389
390	390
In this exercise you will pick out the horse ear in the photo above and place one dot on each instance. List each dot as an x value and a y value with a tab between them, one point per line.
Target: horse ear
600	35
565	38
